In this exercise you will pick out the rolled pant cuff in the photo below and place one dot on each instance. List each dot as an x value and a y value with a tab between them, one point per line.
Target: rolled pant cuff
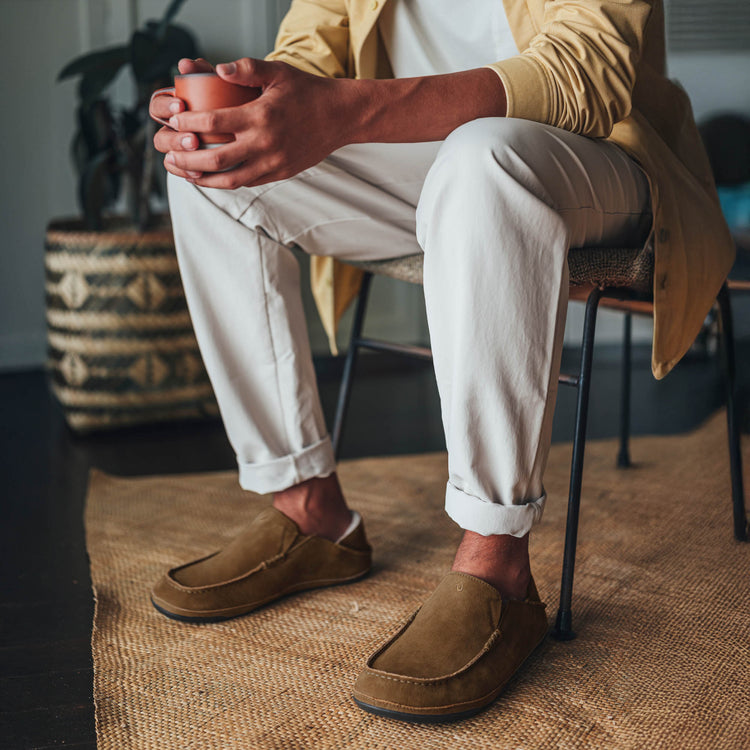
279	474
474	514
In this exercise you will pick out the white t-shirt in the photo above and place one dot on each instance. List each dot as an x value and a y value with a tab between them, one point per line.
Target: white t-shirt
428	37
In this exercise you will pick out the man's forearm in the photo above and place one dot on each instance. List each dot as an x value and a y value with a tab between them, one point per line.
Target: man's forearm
418	109
299	119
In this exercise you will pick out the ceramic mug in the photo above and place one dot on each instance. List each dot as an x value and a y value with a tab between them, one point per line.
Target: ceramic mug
204	91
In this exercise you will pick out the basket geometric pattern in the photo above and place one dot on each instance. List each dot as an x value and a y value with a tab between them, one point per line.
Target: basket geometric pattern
121	347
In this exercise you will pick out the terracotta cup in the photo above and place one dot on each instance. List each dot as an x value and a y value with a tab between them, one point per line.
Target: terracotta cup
203	91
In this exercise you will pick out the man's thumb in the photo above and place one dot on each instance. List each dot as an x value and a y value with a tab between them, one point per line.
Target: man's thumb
246	72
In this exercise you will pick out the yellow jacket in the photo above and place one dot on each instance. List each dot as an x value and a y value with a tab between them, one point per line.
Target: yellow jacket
594	67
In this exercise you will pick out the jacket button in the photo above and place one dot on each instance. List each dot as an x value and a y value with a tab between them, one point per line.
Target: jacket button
374	5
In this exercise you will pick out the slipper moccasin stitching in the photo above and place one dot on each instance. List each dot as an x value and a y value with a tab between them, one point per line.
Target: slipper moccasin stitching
270	559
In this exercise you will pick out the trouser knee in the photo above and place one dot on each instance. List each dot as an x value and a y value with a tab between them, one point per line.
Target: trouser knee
214	207
482	178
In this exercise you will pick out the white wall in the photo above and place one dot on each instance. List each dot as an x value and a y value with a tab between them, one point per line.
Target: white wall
37	37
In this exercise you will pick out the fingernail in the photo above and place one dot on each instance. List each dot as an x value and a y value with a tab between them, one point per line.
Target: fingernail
194	174
170	158
173	122
187	141
175	107
227	69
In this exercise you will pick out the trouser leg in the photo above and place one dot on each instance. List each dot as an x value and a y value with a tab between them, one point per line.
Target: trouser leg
241	282
242	290
500	207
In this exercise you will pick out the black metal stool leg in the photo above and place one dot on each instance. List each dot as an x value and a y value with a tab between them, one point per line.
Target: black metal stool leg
735	455
623	456
351	358
564	624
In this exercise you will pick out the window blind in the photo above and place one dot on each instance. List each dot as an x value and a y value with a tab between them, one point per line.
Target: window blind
708	25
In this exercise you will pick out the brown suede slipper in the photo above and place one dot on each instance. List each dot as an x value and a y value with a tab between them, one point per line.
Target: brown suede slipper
454	655
268	560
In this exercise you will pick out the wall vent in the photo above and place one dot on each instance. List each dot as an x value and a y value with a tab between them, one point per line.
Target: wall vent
708	25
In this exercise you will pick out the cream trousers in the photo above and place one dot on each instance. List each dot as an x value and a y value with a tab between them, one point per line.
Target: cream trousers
494	208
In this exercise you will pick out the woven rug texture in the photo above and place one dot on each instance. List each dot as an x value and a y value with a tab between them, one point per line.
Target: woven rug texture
661	607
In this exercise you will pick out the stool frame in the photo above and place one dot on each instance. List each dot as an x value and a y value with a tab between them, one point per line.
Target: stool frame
563	628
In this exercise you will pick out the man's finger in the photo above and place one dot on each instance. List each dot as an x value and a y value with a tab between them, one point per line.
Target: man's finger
248	71
187	66
166	106
210	160
167	139
211	121
249	174
177	172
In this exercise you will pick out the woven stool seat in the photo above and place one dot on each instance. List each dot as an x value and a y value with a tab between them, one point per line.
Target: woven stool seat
589	266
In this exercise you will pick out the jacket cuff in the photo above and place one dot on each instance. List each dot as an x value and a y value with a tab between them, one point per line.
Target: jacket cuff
296	61
526	88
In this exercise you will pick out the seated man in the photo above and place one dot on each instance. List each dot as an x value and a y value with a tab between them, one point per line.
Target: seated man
384	128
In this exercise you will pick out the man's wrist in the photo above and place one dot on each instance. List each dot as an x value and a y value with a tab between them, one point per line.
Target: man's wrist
415	109
353	110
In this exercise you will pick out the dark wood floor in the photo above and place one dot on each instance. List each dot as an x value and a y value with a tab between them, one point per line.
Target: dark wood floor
45	657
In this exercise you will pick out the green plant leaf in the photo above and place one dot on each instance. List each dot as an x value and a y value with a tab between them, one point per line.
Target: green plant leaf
144	47
95	144
153	60
157	183
79	152
94	81
110	143
130	122
172	10
113	56
97	127
94	190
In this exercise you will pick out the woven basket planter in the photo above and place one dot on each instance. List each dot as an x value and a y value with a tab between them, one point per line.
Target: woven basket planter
121	345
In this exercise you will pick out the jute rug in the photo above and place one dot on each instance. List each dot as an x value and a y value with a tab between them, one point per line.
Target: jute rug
661	606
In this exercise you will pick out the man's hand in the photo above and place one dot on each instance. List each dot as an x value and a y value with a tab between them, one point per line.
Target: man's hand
297	121
166	139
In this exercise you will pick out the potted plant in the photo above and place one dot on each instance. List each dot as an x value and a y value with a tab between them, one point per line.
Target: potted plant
121	346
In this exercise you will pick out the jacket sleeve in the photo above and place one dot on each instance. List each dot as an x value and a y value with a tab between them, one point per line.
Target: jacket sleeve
579	69
314	36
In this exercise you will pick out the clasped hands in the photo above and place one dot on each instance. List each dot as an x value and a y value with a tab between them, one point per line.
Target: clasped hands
297	121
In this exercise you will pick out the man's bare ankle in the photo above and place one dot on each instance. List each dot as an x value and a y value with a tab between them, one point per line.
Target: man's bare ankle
500	560
317	506
510	584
